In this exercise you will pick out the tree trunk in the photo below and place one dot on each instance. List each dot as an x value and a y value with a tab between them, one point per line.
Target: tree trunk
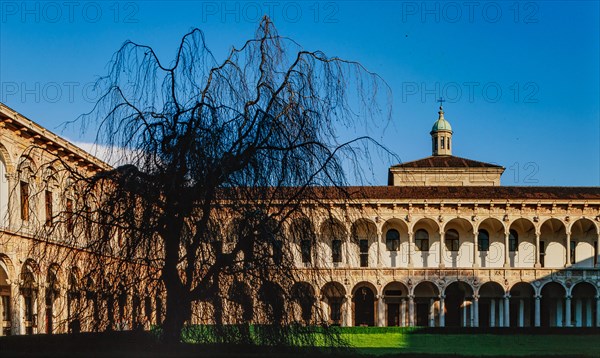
178	311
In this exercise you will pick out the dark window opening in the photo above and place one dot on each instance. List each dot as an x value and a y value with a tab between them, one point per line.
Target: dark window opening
306	248
24	201
573	245
513	241
483	241
422	240
48	208
392	240
452	240
336	250
364	253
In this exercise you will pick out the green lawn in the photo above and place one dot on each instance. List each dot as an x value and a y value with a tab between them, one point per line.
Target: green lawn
394	342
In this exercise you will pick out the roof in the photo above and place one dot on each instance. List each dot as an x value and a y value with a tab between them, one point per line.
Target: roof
445	161
475	192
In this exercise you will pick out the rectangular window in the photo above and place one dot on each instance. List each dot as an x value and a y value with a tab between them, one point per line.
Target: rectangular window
305	248
442	142
48	208
28	308
448	143
6	308
595	250
542	252
24	201
364	253
69	215
336	250
572	251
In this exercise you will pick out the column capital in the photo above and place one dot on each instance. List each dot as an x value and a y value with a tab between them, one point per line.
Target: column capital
442	297
568	297
475	297
507	296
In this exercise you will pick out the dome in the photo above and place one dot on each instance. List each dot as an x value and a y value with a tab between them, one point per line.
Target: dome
441	124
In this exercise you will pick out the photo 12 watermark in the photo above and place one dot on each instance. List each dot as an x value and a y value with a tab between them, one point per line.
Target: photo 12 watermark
69	12
48	92
277	11
525	12
471	91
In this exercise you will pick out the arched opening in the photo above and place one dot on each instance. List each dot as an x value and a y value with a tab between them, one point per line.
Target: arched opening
553	305
553	249
524	253
334	296
458	305
73	303
426	304
303	235
395	241
333	236
396	302
363	300
491	305
364	237
583	237
522	305
5	302
29	291
272	297
304	300
427	243
52	295
136	311
583	305
490	244
241	295
458	243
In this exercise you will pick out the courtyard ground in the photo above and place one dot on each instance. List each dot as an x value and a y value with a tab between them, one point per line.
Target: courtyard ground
363	341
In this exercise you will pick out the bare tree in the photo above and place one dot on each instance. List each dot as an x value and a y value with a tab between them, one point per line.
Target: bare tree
215	161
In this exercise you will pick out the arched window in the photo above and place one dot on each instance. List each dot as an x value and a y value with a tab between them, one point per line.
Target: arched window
483	240
452	240
306	251
513	241
392	240
336	250
422	240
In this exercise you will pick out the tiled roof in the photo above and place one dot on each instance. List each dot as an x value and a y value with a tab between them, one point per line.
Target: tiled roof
474	192
445	161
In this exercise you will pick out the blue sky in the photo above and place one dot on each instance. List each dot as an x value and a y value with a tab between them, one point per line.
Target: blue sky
521	79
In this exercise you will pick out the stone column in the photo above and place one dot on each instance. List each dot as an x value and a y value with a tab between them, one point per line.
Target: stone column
507	310
346	249
568	311
411	246
475	310
379	249
380	311
506	251
411	310
442	311
568	258
475	249
347	314
537	310
403	310
442	249
537	250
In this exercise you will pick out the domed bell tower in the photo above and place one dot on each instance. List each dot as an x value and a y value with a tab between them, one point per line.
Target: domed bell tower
441	135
